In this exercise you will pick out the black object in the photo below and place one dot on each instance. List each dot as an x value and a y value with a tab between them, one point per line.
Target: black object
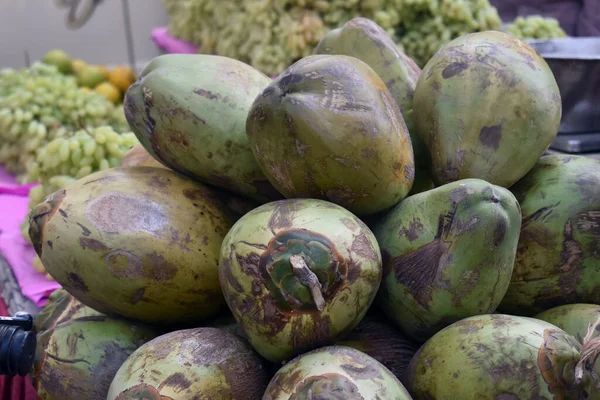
17	344
78	14
575	63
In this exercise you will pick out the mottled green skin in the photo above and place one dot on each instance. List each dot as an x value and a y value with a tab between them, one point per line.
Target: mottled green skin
281	327
328	128
447	254
497	357
189	112
335	372
487	106
575	319
139	242
60	308
191	364
558	258
362	38
78	358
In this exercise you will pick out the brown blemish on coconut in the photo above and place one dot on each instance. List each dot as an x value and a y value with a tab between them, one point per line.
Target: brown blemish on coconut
362	370
124	264
119	213
92	244
137	296
362	246
454	69
177	382
281	218
85	231
417	270
40	216
178	138
589	222
547	364
207	94
499	232
490	136
303	339
328	383
142	391
77	282
160	269
415	229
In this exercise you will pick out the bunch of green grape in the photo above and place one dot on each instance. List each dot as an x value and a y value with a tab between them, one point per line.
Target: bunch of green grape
272	34
39	104
535	27
67	158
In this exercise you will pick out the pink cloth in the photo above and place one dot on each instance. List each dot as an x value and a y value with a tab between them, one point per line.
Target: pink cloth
168	43
17	252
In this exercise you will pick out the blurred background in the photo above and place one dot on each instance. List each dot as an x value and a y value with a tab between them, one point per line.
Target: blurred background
38	26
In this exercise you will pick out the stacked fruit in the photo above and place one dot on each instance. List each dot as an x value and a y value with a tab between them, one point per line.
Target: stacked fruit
369	237
271	34
110	83
52	131
535	27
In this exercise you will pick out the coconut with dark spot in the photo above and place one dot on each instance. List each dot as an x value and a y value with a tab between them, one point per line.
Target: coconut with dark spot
137	156
335	372
362	38
298	274
487	106
576	319
78	357
448	254
503	357
61	307
558	258
382	341
139	242
189	112
328	128
190	364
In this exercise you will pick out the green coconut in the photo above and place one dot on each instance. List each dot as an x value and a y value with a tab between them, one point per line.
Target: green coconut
191	364
298	274
335	372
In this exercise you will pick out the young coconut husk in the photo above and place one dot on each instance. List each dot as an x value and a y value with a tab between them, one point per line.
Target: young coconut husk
590	350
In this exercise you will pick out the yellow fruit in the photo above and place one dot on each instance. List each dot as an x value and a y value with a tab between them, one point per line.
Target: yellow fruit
38	266
122	77
104	70
60	59
90	76
109	91
78	65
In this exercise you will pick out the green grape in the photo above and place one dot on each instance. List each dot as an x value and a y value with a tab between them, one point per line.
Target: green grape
272	34
104	164
84	171
89	147
99	153
535	27
39	104
63	152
